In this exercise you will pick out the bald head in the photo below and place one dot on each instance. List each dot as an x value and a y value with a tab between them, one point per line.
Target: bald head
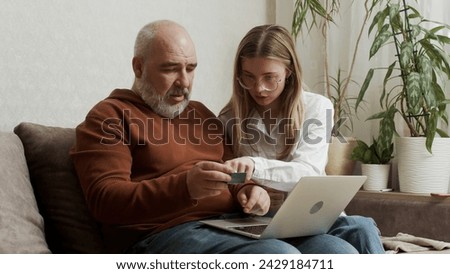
162	31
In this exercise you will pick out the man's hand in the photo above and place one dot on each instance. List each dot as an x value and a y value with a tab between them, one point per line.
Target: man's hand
254	200
242	164
207	179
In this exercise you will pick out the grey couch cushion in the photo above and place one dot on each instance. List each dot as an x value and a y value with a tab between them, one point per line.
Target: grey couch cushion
21	225
69	227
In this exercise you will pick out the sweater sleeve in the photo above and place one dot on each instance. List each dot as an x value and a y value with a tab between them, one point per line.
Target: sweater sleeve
103	159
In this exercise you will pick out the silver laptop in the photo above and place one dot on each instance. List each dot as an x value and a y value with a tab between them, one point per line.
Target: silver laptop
311	208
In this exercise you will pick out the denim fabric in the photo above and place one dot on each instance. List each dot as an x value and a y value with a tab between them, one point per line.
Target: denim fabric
349	235
360	232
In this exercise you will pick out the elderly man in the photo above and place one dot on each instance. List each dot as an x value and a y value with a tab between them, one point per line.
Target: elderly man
150	161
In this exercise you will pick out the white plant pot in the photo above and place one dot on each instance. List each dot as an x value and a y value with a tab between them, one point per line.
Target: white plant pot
418	170
377	176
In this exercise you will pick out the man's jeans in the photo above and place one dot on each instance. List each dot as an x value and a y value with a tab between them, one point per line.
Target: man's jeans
349	235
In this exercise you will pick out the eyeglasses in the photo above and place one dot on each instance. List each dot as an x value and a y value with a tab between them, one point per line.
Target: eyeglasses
269	83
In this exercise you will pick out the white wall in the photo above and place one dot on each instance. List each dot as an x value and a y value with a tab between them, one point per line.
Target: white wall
59	58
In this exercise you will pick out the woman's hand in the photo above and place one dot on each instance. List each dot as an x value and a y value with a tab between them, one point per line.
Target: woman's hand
254	200
242	164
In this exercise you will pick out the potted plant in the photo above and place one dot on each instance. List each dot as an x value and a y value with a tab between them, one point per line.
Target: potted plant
309	14
413	89
375	158
340	149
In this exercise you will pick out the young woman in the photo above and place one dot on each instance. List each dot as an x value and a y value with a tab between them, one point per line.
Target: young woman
278	131
270	117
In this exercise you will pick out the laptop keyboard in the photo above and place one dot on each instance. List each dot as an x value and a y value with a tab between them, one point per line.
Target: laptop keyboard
255	229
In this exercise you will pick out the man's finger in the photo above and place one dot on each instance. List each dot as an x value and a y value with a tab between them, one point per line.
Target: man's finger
207	165
214	175
214	185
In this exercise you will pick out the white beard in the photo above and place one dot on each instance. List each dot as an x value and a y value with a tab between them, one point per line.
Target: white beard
159	103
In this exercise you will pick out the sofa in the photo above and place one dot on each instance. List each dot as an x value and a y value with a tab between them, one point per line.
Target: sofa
42	208
409	223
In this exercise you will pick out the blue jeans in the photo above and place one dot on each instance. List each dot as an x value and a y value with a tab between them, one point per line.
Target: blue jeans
349	235
361	232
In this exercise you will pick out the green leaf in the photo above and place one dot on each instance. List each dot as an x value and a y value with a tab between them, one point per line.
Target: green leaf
415	13
413	92
445	60
428	34
431	130
406	54
385	81
442	133
364	87
393	10
415	31
425	67
386	132
441	101
443	39
426	75
428	93
378	115
311	9
394	17
368	157
436	29
379	40
359	150
439	57
377	18
298	19
376	153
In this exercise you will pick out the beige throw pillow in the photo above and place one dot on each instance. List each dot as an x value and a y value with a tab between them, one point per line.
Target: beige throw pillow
21	225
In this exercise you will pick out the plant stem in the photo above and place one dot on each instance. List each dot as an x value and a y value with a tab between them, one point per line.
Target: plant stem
325	27
350	72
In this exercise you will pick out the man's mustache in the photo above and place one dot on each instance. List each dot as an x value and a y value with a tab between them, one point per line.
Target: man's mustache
178	92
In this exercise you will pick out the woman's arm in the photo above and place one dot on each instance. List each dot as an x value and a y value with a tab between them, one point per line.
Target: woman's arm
308	158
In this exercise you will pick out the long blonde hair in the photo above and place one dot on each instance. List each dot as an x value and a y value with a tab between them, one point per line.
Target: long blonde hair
275	42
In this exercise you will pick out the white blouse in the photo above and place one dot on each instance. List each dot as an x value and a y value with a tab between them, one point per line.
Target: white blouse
310	156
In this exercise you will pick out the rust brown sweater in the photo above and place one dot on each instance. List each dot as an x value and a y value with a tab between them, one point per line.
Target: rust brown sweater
132	166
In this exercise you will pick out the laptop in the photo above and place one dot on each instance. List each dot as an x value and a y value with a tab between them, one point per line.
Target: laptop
311	208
